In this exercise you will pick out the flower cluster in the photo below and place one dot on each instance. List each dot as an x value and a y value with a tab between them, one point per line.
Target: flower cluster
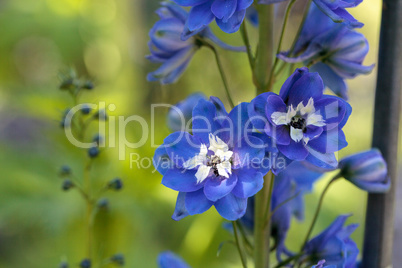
78	122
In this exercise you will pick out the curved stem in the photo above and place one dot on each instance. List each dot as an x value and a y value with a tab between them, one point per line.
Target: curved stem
221	72
246	40
89	204
278	50
241	253
317	211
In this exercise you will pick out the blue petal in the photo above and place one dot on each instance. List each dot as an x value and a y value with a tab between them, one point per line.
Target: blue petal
256	111
233	23
217	187
197	203
168	259
237	124
207	33
280	134
308	86
205	121
329	142
161	160
320	160
200	16
180	211
224	9
333	111
247	152
181	180
244	4
373	187
284	93
250	181
181	146
231	207
332	80
190	2
294	151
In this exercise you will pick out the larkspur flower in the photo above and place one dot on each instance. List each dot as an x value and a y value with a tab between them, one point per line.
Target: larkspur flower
367	170
228	14
180	114
167	47
333	245
333	50
168	259
219	165
303	123
335	9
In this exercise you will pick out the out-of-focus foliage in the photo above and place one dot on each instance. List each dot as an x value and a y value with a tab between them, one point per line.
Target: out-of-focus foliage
40	225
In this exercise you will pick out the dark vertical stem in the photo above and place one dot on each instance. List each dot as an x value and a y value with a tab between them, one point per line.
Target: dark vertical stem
379	232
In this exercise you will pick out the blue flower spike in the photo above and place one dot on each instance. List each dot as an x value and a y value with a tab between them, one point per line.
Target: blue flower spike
168	259
218	165
180	115
334	245
302	122
333	50
172	46
321	263
367	170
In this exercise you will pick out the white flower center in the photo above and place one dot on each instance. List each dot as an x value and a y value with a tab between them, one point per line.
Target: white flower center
218	163
299	119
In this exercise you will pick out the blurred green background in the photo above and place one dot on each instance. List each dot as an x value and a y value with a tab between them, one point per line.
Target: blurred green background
107	40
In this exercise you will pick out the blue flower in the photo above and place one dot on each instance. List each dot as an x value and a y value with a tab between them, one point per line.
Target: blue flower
167	47
219	165
168	259
180	114
334	245
334	51
303	123
367	170
335	9
228	14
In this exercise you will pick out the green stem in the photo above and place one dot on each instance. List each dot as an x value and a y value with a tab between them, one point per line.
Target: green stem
264	58
246	40
239	248
278	50
317	211
222	73
262	227
89	205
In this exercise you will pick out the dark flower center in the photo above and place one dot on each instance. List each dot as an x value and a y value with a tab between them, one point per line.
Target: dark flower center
298	122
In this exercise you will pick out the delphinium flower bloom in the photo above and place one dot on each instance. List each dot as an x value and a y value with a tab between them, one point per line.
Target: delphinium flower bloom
367	170
168	259
180	114
335	9
304	123
218	165
169	49
333	245
228	14
333	50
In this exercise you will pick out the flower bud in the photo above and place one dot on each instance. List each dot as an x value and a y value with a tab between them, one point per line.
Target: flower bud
93	152
98	139
101	115
115	184
85	263
88	85
86	109
367	170
118	259
103	203
67	185
63	265
65	171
